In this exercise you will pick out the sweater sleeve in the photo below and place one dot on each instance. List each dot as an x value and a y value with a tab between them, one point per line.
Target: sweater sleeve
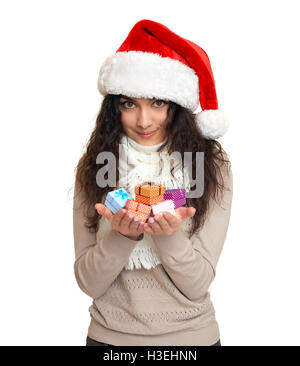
191	263
97	264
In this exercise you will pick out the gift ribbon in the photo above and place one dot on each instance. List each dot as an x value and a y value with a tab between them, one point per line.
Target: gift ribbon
122	194
150	184
137	206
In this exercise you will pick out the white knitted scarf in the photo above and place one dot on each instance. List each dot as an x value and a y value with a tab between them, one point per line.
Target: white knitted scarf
137	164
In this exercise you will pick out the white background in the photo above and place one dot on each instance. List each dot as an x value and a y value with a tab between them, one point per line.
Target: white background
51	53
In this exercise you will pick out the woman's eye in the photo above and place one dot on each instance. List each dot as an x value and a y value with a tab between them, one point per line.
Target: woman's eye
161	104
160	101
123	104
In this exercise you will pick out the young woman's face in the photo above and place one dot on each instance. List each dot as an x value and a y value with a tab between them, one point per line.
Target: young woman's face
144	120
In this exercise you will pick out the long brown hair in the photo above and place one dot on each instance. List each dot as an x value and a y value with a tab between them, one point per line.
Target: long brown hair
182	135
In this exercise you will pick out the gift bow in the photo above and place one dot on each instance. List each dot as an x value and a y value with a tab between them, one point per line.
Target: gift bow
122	194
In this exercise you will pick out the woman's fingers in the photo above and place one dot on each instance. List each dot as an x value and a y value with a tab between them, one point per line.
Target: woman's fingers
152	226
148	227
170	220
121	221
104	211
135	225
162	225
140	228
118	219
184	212
124	224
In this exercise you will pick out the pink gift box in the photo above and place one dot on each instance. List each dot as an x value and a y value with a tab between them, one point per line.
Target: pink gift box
164	206
177	196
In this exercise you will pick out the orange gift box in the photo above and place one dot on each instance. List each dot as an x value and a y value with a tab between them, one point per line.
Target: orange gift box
137	206
138	210
149	200
149	193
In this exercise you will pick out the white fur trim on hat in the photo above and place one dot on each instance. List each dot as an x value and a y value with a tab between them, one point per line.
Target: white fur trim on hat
212	123
140	74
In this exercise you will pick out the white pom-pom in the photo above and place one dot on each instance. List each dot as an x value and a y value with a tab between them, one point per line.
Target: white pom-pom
213	123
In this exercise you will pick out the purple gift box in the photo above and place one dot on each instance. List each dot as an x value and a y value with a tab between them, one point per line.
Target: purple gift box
176	195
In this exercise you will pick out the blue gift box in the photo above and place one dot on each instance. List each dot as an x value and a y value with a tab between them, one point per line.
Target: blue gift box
116	200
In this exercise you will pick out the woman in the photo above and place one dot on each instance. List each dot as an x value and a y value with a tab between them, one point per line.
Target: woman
149	281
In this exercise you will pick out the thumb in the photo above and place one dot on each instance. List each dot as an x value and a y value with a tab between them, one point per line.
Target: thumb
103	210
191	211
185	212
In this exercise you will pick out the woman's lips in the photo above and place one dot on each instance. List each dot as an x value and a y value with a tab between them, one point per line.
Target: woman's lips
147	135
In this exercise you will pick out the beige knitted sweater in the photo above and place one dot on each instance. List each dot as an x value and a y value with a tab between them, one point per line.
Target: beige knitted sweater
168	304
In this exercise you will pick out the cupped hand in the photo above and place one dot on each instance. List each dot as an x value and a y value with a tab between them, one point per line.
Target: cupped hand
121	222
167	224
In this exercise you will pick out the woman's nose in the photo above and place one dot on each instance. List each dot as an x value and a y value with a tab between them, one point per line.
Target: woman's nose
144	119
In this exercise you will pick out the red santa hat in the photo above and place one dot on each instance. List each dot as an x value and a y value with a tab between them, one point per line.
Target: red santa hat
154	62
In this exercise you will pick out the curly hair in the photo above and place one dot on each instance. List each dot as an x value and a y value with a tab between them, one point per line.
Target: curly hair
182	135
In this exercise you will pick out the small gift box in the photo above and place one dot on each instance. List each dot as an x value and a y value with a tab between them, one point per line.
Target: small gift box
149	193
116	200
138	210
167	205
177	196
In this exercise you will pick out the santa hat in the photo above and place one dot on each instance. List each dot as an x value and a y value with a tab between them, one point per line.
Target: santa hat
154	62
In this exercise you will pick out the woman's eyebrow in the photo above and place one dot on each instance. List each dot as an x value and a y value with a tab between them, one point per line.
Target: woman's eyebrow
131	99
127	98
